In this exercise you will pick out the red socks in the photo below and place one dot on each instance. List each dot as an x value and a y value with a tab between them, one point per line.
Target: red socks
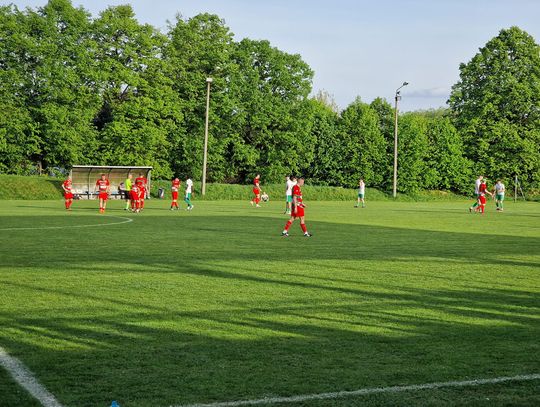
303	226
288	225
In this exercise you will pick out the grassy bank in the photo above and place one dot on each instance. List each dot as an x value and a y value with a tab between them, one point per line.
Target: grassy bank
36	187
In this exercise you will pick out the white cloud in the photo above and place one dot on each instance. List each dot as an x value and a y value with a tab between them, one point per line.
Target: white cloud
435	93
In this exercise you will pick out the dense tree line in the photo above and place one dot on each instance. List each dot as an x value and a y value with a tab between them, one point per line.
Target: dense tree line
75	89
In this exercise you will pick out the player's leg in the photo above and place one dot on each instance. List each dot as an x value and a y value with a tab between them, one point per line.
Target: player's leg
289	204
287	226
474	205
501	202
304	227
187	199
363	202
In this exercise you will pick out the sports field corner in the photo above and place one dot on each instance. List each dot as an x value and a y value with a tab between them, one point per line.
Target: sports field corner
400	303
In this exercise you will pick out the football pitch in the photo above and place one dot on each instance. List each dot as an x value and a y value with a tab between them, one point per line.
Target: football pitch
183	308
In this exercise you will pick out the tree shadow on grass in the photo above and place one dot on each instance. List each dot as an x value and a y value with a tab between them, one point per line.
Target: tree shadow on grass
232	238
316	334
142	355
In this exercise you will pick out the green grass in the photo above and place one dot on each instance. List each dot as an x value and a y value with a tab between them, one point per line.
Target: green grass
34	187
213	305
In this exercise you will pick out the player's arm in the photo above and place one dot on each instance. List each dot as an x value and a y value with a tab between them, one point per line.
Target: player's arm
294	204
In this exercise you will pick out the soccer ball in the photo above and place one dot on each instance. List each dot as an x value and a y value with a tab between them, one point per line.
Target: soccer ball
265	197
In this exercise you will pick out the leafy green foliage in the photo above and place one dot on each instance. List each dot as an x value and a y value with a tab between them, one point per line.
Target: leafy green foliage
495	106
109	90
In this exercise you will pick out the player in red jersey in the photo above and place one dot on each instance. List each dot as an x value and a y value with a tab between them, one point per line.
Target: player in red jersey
68	194
175	185
135	201
297	210
141	182
482	191
103	187
257	191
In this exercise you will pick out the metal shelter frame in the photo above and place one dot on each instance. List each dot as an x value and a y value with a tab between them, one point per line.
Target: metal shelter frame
84	177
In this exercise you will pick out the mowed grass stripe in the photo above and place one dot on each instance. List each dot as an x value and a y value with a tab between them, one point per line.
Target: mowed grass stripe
214	305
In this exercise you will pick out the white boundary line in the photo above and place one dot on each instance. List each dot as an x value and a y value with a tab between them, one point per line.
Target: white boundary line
27	380
126	220
362	392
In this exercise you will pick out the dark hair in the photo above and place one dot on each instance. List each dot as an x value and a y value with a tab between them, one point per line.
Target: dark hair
292	177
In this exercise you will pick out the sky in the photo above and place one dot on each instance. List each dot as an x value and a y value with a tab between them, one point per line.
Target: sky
364	48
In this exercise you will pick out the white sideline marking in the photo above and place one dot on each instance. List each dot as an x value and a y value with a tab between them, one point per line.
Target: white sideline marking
126	220
26	379
362	392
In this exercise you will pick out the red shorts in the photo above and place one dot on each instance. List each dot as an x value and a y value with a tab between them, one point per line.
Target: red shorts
134	196
103	195
175	195
256	191
68	195
299	212
482	200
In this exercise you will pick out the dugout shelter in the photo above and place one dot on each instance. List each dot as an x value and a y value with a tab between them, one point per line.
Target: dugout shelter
84	178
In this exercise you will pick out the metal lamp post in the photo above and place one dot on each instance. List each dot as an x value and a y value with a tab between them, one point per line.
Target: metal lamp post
397	98
205	156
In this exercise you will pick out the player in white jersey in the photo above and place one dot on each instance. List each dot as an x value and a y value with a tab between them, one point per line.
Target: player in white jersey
476	192
187	197
289	184
498	191
361	194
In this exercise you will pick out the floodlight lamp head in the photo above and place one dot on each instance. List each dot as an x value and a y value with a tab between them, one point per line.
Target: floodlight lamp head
209	80
405	83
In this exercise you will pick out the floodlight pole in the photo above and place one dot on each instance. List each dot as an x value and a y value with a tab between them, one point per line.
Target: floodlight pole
205	156
397	98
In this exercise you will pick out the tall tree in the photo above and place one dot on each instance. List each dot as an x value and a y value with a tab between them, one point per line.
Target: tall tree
272	88
201	48
55	82
19	141
413	147
495	106
385	115
363	143
140	111
326	166
448	167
